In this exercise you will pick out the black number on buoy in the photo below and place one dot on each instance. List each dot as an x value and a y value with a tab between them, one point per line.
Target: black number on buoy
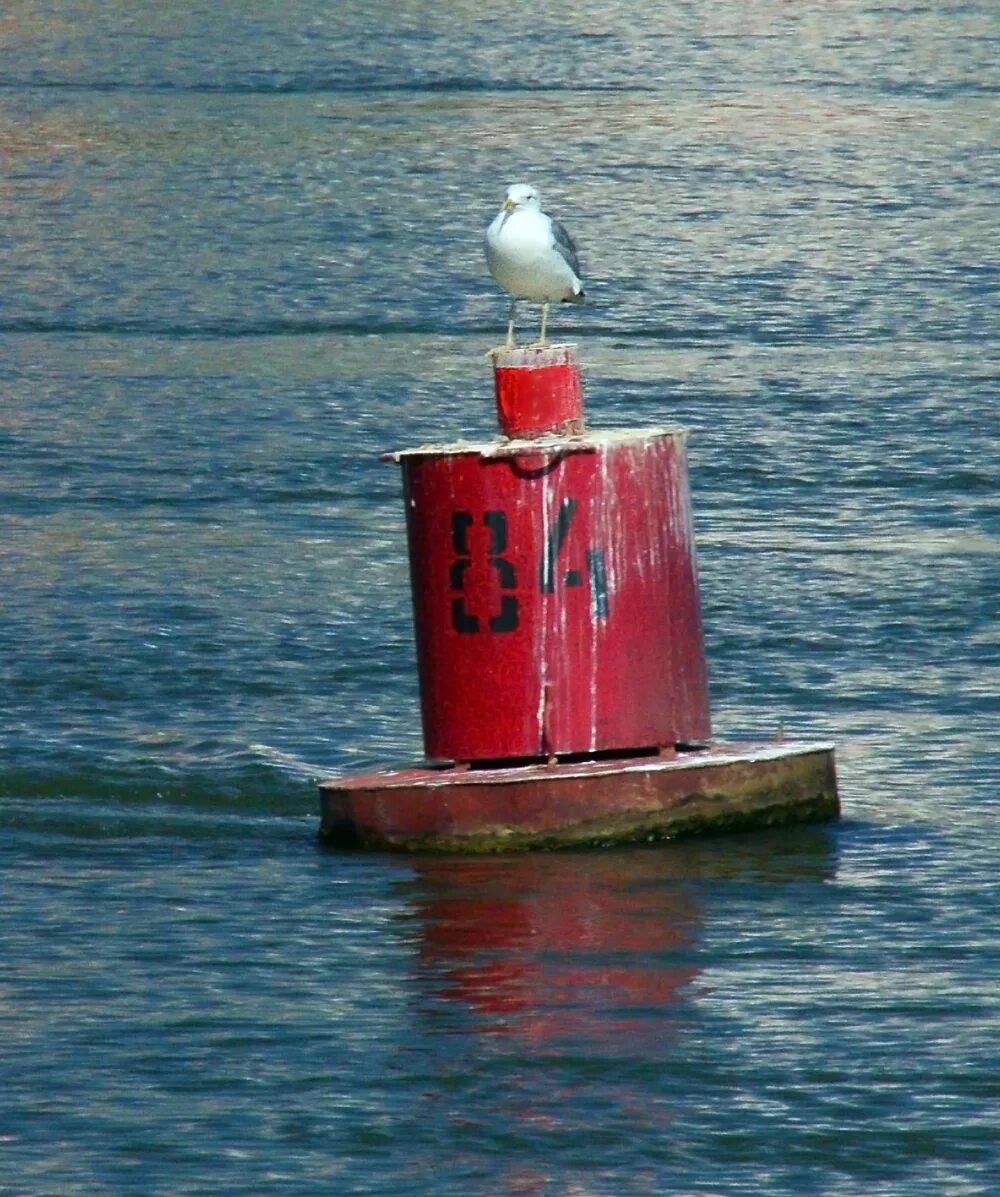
555	541
598	584
496	524
596	572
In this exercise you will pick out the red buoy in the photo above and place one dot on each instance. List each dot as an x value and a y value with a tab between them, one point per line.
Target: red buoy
559	645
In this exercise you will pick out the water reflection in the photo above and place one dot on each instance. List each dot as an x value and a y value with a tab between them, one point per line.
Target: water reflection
597	948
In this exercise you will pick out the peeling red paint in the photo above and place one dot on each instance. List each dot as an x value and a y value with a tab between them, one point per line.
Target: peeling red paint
555	596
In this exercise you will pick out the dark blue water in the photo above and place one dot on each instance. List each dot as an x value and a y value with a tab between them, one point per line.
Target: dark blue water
241	255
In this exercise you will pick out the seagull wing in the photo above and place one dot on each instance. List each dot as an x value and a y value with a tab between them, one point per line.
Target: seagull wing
565	245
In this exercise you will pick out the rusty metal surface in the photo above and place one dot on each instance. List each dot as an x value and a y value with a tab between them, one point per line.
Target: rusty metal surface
708	791
556	598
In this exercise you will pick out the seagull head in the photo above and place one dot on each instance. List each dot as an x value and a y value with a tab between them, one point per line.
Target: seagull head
521	195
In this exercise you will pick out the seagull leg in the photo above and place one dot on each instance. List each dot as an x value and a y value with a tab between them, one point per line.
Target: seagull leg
510	325
545	320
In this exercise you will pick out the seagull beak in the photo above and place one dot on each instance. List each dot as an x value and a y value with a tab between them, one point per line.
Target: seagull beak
508	204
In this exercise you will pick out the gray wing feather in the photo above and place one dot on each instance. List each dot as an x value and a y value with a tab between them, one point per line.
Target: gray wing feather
566	246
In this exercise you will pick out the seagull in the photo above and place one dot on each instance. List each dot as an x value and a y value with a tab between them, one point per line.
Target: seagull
532	256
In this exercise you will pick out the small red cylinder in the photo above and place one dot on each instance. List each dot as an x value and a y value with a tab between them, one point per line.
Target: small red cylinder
555	597
538	391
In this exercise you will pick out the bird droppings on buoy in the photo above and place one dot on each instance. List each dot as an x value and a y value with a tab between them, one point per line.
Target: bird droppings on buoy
563	683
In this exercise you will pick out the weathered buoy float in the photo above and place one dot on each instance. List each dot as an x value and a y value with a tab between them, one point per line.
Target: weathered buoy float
563	684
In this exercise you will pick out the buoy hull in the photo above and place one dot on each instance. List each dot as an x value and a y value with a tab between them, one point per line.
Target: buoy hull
555	596
722	788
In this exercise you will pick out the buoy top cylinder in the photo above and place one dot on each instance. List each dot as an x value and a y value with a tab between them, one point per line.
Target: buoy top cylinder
538	391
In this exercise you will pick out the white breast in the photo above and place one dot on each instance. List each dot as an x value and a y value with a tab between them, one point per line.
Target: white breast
523	257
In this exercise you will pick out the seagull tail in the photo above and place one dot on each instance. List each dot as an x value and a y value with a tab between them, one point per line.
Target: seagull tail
575	296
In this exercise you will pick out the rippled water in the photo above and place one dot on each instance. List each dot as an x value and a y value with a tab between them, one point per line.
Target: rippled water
240	257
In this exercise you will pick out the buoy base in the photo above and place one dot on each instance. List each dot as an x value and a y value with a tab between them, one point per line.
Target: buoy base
703	791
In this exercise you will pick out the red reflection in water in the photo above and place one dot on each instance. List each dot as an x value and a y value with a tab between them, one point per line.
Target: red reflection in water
560	946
